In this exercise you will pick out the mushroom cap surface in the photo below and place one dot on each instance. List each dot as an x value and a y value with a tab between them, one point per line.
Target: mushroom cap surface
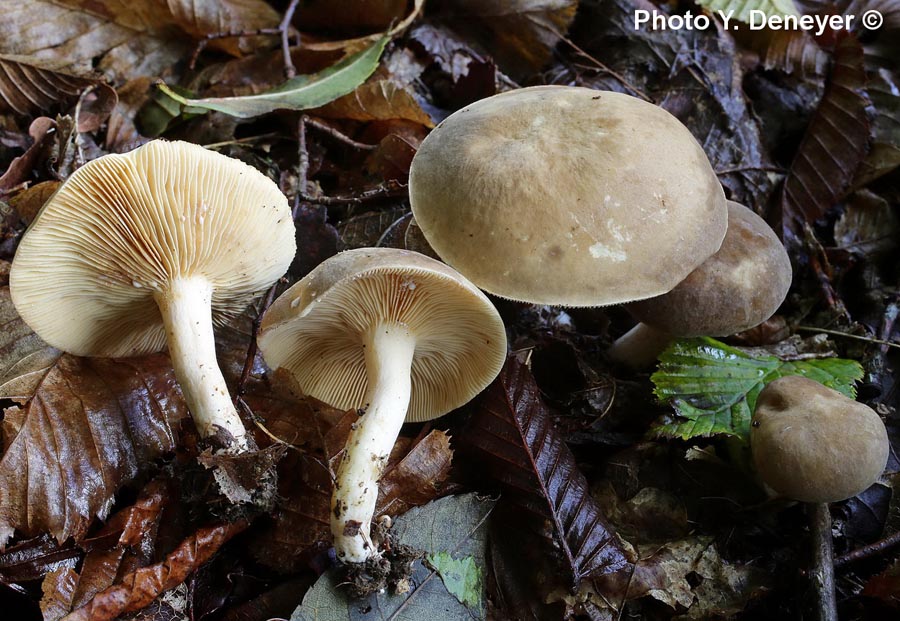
813	444
568	196
122	226
317	329
737	288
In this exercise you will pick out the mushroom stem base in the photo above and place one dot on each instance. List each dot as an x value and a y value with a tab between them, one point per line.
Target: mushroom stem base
186	308
639	347
389	355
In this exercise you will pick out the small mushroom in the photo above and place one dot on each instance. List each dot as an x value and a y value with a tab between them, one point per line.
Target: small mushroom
149	248
737	288
395	334
811	443
567	196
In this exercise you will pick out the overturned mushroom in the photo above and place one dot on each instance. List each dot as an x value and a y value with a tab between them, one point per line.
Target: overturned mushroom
395	334
567	196
737	288
149	248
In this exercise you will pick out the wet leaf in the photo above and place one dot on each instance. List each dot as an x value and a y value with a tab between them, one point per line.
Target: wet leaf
31	559
513	436
835	144
462	577
741	8
24	358
29	86
300	93
140	587
126	39
452	528
91	426
884	91
713	387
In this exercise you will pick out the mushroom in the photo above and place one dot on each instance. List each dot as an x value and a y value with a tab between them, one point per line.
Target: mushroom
395	334
811	443
149	248
737	288
567	196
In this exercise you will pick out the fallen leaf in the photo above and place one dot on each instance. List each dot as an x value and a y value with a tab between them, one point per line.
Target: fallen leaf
376	100
791	51
121	134
741	9
367	229
42	131
350	16
24	358
29	86
31	559
139	588
451	529
300	93
835	144
28	202
512	435
316	239
91	425
127	39
884	157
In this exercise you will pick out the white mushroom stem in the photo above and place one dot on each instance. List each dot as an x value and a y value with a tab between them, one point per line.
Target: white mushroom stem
186	308
639	347
389	355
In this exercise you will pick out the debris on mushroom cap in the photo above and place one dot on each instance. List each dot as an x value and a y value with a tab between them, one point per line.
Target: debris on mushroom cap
569	196
316	329
737	288
85	273
813	444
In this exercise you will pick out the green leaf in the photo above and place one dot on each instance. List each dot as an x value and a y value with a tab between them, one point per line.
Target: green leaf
300	93
452	532
462	577
741	8
714	387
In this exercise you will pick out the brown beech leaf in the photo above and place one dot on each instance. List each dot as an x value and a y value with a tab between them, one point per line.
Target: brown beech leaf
24	357
791	51
835	144
42	131
31	559
378	99
127	39
140	587
90	426
367	229
520	34
29	85
512	434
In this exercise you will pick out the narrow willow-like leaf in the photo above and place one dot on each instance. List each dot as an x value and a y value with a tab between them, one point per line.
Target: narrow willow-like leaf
300	93
740	9
714	387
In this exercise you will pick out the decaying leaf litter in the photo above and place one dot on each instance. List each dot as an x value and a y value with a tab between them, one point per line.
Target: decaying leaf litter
572	487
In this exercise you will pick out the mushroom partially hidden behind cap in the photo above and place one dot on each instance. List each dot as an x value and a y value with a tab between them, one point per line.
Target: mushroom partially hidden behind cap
149	248
567	196
394	333
737	288
813	444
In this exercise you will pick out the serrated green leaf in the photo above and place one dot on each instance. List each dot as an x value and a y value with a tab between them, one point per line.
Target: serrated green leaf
300	93
713	387
740	9
462	577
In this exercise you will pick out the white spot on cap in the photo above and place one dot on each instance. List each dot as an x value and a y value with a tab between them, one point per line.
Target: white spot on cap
599	251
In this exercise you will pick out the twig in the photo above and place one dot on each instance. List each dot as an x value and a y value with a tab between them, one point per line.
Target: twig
391	188
857	337
285	27
76	135
337	135
251	349
822	269
868	551
823	562
729	171
217	145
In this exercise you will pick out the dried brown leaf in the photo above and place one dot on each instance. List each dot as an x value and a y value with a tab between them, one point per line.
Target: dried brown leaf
377	100
512	435
127	39
791	51
367	228
42	130
29	86
139	588
24	358
31	559
835	144
121	134
28	202
90	426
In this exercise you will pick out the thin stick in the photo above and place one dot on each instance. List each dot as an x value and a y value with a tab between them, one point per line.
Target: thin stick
391	188
868	551
823	562
251	349
285	28
337	135
857	337
738	169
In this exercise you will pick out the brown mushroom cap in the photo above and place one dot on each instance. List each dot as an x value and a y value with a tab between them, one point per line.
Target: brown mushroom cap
813	444
737	288
316	329
122	226
569	196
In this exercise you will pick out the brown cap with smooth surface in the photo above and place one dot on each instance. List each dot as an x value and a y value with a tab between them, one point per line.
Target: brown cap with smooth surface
737	288
123	226
318	328
813	444
569	196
